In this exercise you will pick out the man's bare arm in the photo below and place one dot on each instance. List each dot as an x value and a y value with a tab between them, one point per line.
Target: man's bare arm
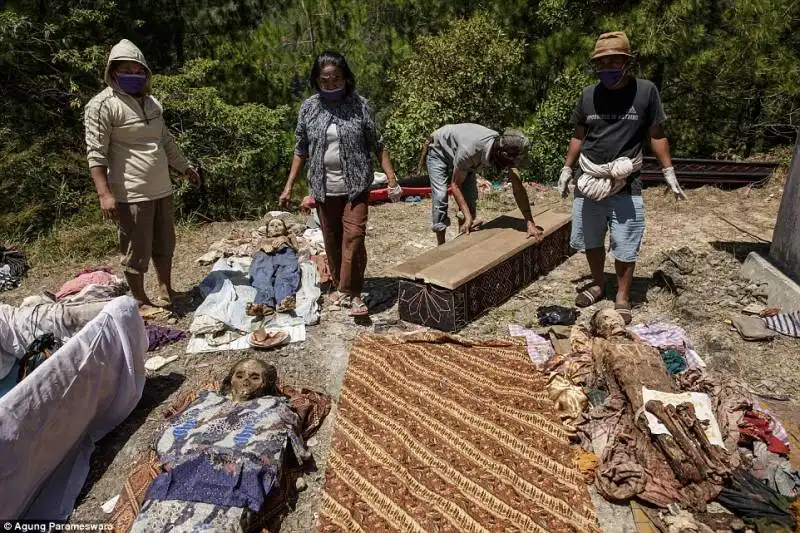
520	194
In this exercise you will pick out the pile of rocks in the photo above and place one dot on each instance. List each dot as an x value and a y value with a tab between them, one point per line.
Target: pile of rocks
742	292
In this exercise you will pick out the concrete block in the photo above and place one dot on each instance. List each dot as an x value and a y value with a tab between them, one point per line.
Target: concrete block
785	249
783	292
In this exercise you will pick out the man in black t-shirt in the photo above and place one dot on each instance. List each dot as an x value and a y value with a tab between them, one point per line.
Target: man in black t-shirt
612	120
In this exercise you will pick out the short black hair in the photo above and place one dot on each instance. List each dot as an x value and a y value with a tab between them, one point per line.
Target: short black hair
337	60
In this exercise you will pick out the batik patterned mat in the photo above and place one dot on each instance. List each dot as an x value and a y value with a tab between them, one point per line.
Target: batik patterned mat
437	433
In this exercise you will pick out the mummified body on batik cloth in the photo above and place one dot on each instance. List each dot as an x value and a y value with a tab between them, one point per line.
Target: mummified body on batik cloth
679	467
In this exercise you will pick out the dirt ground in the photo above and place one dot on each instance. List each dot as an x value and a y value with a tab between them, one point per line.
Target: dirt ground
397	232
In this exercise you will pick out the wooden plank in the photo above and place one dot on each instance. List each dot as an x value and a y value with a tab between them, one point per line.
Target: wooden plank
508	237
460	245
412	267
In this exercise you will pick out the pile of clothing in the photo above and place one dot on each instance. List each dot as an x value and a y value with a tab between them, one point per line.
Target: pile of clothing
766	323
13	267
660	427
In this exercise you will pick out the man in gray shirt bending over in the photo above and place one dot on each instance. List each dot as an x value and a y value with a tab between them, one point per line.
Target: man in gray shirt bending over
457	151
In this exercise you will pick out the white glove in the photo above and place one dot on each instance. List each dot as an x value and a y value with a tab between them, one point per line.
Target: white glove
563	181
672	181
395	193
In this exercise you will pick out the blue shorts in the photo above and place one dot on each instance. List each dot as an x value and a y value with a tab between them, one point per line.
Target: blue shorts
623	214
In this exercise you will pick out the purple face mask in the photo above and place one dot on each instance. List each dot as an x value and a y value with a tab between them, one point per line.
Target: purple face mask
132	83
610	77
333	96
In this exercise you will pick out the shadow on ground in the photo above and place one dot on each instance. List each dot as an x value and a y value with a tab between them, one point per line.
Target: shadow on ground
187	303
381	293
741	249
156	391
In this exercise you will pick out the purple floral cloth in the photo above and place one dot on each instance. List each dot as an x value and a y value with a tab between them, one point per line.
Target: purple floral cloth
539	349
227	483
227	453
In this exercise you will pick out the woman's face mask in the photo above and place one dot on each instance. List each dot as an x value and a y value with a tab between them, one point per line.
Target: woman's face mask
132	83
331	83
334	96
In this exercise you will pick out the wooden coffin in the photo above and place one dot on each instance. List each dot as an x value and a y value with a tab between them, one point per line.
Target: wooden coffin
449	286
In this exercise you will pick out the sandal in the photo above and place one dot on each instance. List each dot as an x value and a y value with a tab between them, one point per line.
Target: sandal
337	298
358	310
265	339
624	311
587	298
288	304
259	310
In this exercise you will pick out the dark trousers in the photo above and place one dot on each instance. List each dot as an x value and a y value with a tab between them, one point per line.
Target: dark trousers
344	227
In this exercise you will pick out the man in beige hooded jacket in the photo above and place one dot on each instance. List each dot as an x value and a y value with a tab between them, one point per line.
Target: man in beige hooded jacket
130	151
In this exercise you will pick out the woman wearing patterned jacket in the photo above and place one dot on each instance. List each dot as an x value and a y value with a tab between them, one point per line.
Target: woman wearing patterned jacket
336	137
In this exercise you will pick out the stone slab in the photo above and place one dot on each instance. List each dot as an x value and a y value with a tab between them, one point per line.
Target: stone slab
783	291
785	249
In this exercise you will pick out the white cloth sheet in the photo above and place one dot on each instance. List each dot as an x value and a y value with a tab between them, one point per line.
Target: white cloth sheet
702	409
20	326
51	420
307	305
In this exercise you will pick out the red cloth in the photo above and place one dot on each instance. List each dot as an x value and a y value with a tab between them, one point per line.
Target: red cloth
77	284
755	426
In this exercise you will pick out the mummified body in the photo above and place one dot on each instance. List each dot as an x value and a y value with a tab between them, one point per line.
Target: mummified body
250	379
660	469
275	271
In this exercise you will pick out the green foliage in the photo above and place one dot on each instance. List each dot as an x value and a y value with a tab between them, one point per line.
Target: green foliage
729	72
38	185
245	149
46	76
81	236
470	73
549	129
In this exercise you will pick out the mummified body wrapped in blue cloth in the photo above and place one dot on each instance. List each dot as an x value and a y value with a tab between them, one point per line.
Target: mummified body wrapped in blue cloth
224	455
